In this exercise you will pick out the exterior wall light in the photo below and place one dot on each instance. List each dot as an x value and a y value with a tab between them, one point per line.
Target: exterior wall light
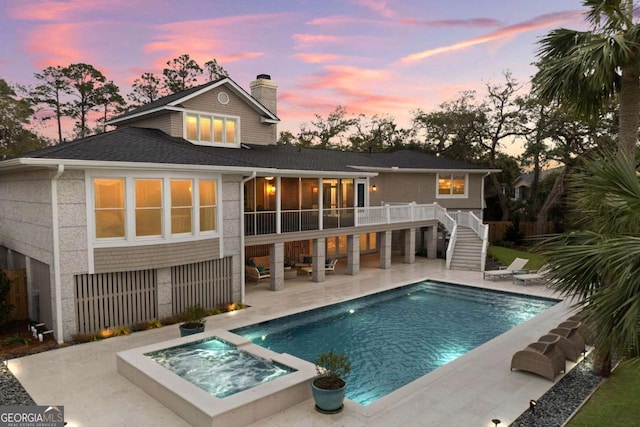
374	188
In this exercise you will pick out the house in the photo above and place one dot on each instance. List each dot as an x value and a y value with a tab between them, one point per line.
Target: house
522	184
163	212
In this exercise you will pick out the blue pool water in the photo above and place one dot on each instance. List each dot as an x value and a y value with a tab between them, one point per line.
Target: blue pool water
218	367
397	336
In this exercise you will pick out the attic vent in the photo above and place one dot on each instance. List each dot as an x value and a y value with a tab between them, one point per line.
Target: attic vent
223	98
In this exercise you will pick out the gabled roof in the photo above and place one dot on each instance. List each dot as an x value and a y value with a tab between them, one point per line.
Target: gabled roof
173	102
526	179
141	147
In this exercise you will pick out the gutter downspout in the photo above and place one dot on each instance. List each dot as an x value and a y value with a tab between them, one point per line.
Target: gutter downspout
242	260
56	252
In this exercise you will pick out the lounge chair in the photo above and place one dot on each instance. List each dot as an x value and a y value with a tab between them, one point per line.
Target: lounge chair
541	358
535	276
584	329
569	330
568	349
516	265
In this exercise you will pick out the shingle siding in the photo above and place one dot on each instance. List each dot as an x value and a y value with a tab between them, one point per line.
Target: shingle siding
130	258
252	131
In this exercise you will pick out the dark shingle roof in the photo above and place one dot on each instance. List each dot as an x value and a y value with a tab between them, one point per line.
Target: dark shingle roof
165	100
142	145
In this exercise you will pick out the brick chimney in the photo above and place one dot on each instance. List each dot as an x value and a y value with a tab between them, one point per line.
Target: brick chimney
265	91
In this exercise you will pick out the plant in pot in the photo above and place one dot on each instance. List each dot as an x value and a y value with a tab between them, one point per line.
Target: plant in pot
193	319
329	387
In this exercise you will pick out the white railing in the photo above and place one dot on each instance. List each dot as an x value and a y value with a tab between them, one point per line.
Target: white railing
470	220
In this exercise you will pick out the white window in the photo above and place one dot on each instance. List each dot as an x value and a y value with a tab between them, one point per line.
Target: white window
452	185
206	129
139	209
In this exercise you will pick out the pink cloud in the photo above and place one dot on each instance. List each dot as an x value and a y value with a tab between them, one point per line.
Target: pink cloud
53	44
306	39
542	21
52	10
471	23
378	6
317	58
344	20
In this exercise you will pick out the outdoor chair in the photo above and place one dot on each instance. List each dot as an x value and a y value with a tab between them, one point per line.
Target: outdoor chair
516	265
568	349
533	276
584	329
569	330
330	265
541	358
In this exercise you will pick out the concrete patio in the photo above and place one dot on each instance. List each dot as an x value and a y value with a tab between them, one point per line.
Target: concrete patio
469	391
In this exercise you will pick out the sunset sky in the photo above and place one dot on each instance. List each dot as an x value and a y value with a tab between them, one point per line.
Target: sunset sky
371	56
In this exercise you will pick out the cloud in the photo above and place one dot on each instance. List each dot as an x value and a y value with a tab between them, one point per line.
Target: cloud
378	6
318	58
507	32
469	23
344	20
304	40
55	10
53	44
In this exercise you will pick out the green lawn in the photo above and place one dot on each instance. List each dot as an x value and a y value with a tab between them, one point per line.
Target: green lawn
616	401
506	255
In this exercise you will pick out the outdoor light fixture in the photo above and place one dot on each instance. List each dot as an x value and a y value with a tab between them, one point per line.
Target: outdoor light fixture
496	421
532	405
268	178
374	188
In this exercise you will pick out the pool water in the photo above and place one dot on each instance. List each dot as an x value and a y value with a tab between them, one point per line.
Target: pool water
397	336
218	367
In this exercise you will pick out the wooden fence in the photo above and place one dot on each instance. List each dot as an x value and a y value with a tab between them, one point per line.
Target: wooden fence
207	283
115	299
18	295
497	229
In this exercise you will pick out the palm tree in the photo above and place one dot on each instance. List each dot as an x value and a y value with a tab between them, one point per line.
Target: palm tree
598	264
588	70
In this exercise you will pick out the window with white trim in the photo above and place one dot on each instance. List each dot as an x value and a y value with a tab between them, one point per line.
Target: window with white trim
211	130
452	185
137	209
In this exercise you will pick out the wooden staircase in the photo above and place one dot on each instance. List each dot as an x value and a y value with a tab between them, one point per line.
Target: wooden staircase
467	250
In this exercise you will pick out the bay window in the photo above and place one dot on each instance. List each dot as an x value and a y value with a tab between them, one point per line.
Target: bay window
137	209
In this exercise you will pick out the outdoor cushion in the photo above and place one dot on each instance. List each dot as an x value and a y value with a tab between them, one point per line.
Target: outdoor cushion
261	269
307	259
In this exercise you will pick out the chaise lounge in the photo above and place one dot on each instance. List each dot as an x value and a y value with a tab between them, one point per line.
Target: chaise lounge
516	264
542	358
535	276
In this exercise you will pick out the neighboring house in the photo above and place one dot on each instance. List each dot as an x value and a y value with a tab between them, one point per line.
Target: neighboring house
522	184
162	213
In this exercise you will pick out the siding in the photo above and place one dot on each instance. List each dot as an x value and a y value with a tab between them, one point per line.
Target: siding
421	188
130	258
252	131
169	123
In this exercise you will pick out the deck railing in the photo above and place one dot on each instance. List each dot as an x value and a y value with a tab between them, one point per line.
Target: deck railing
291	221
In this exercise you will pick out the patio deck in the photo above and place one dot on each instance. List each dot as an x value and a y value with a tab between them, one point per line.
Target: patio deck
470	390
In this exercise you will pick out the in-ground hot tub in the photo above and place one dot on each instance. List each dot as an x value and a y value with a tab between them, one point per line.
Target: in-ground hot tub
264	382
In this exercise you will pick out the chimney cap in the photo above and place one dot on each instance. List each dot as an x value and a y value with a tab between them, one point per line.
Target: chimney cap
263	76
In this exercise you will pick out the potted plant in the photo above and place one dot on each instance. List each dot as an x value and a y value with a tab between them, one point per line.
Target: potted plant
329	386
193	320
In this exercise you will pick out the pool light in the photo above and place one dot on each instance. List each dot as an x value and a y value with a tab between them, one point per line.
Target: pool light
352	311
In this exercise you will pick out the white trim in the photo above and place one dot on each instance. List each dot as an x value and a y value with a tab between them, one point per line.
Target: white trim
55	237
144	113
212	117
422	170
452	196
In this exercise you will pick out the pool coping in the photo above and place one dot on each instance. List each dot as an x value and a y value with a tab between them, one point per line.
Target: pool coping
200	408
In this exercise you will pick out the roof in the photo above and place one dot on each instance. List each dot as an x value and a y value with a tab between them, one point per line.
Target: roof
173	101
526	179
133	146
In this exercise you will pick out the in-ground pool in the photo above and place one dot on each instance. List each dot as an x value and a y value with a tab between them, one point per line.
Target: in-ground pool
397	336
218	367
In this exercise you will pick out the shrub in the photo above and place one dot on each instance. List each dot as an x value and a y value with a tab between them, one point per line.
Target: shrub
331	368
5	307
